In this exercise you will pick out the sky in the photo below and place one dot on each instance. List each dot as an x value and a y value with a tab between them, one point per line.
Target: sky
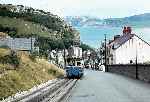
93	8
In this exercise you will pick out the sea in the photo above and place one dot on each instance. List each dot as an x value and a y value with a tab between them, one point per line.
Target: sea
95	36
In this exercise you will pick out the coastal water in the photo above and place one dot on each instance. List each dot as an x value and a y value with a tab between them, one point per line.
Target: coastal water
94	36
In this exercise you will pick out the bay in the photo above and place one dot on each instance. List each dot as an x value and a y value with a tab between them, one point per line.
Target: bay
95	36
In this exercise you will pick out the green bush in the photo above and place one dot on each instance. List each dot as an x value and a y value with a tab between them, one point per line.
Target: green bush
52	71
33	55
11	59
5	47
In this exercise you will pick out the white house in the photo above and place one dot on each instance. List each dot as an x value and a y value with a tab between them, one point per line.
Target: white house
127	49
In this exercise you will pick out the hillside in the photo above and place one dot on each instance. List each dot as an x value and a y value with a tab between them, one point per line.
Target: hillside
142	20
44	20
23	27
51	31
26	74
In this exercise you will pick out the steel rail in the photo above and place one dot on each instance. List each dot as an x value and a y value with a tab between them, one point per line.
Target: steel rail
36	94
61	92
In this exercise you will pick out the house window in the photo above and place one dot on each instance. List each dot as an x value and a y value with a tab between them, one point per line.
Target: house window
111	58
131	61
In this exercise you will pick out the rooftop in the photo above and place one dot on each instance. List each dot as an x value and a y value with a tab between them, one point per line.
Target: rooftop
117	42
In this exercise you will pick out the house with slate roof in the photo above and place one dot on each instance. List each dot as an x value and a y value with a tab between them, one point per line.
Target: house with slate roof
127	49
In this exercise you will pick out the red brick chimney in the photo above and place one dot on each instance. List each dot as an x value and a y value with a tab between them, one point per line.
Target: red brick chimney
124	30
127	30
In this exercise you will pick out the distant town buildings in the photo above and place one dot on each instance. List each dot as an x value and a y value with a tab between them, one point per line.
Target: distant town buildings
56	57
86	54
74	52
74	55
127	49
90	59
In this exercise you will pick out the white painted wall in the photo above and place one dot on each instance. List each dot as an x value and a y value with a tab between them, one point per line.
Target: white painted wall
60	57
129	50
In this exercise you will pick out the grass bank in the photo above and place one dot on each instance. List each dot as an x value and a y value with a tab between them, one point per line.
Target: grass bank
28	74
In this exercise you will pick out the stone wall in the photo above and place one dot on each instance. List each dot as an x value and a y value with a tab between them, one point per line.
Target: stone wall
141	72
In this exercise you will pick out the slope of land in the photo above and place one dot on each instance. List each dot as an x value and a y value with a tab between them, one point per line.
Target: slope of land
51	23
26	74
51	31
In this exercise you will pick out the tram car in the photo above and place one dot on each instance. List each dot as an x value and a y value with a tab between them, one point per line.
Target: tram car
74	72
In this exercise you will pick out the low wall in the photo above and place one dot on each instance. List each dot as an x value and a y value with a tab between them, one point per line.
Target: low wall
141	72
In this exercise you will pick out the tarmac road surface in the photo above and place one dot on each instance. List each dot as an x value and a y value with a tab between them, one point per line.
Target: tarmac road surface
98	86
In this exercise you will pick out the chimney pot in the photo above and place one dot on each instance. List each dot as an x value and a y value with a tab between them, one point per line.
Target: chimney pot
127	30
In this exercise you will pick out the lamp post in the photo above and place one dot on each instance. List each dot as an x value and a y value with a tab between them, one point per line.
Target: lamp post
64	57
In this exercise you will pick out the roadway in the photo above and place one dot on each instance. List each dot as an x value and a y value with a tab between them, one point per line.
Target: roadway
98	86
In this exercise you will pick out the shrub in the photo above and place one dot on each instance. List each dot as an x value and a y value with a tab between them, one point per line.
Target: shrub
5	47
33	55
11	59
52	71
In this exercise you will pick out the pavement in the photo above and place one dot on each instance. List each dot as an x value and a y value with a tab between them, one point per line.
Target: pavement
98	86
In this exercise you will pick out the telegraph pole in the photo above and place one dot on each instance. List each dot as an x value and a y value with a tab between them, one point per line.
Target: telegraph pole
136	63
64	51
105	55
64	57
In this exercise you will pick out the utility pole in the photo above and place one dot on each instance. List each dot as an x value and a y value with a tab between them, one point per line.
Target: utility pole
64	51
136	63
101	54
105	55
64	57
57	56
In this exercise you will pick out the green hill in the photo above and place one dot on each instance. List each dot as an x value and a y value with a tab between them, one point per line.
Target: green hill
21	71
24	27
52	23
51	31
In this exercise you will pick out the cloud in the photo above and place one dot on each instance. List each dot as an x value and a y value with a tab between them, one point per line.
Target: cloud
102	8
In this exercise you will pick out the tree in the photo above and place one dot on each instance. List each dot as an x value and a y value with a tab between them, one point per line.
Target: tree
86	47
